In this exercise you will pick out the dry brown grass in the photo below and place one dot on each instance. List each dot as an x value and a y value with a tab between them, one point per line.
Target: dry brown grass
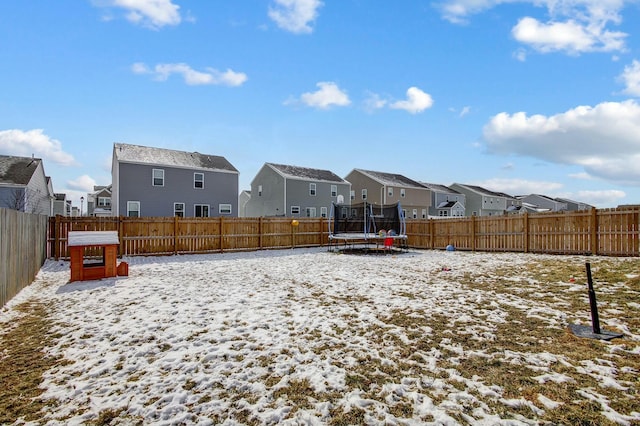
401	348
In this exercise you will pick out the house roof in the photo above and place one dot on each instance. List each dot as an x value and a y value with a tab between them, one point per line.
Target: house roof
168	157
17	170
484	191
60	196
391	179
436	187
306	173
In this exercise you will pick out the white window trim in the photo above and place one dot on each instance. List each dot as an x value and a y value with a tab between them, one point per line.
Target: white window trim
259	190
364	193
296	208
153	177
312	189
334	190
196	180
323	212
225	209
195	206
183	209
133	203
402	192
106	203
390	191
352	194
310	211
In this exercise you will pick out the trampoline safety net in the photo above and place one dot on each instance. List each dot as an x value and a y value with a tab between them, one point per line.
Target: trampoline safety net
366	218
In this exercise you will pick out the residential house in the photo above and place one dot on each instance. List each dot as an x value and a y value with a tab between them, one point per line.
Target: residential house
61	206
445	202
99	201
544	202
575	205
483	202
379	188
24	185
283	190
243	199
149	181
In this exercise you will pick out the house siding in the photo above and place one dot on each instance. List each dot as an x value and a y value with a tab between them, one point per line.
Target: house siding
219	188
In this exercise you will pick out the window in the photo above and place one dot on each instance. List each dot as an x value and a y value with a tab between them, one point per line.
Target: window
334	190
390	191
133	208
414	213
424	213
402	192
158	177
352	194
201	210
312	189
323	212
311	211
295	209
178	209
224	208
364	194
198	180
104	201
442	213
259	190
404	213
344	212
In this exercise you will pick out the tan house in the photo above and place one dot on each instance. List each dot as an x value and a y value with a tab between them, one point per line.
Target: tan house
379	188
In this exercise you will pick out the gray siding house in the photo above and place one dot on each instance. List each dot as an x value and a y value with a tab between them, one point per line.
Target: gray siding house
150	181
61	206
99	201
292	191
243	199
24	185
483	202
445	202
545	203
389	188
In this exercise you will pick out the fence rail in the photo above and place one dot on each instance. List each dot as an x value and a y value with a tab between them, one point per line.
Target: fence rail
23	245
609	232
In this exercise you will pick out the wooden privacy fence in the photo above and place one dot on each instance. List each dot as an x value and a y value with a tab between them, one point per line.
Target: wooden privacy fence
23	245
610	232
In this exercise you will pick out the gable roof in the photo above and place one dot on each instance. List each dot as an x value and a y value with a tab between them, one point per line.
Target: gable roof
297	172
17	170
168	157
391	179
436	187
484	191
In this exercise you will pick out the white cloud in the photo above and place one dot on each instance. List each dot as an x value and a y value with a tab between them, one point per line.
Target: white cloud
604	140
631	79
328	95
574	26
570	36
520	186
34	142
295	15
150	13
210	76
417	101
610	197
374	102
83	183
465	110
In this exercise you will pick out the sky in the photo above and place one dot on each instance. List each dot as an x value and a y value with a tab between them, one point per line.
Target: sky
299	336
521	97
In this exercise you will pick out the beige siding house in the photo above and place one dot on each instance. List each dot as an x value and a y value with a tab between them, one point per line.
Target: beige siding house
380	188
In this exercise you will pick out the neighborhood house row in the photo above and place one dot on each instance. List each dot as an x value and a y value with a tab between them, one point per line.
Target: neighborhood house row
149	181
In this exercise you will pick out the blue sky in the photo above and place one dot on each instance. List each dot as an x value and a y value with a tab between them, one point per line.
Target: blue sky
529	96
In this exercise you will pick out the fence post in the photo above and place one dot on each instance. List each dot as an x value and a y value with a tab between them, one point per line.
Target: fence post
260	232
56	238
431	227
473	233
525	226
221	234
121	236
594	231
175	235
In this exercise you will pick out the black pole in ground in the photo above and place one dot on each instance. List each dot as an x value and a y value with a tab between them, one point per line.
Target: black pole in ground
594	331
595	320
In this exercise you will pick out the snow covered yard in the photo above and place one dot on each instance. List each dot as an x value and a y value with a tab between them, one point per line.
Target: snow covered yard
310	337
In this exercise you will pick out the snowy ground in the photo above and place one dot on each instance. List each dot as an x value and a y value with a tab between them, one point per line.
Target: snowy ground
310	337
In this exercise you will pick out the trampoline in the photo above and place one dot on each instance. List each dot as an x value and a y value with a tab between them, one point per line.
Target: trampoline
365	227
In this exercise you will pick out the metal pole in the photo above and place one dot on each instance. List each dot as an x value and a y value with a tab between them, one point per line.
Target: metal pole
595	320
